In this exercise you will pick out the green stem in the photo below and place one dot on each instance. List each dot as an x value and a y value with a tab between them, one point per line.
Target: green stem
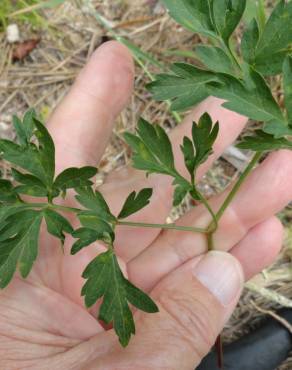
125	223
261	14
229	52
163	226
52	206
65	209
210	241
237	185
213	225
234	57
214	222
215	217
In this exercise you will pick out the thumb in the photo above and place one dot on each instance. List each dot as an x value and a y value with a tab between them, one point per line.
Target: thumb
195	302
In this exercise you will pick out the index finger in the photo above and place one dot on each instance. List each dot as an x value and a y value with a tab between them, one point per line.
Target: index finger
81	125
121	183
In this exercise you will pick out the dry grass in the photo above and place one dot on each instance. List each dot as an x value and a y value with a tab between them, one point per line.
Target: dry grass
43	78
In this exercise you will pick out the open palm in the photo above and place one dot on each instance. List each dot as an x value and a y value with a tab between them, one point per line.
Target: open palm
43	322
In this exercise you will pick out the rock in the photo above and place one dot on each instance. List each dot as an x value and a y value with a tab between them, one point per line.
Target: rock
12	33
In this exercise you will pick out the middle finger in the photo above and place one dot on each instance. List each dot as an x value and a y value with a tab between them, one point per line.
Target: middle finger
120	183
261	196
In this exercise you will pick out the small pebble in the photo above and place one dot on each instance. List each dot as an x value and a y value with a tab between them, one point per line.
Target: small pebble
6	131
12	33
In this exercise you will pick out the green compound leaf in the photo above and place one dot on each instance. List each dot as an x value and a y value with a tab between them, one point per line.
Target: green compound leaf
255	9
28	122
24	129
8	195
97	220
188	150
104	230
37	160
152	149
152	152
251	97
277	129
271	66
7	210
180	192
287	71
227	15
19	243
197	151
105	280
57	225
30	185
135	202
20	130
204	136
157	141
185	87
193	15
249	42
262	142
46	152
95	202
274	127
275	41
215	59
74	178
86	237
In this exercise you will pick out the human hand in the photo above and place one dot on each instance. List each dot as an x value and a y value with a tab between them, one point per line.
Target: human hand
43	323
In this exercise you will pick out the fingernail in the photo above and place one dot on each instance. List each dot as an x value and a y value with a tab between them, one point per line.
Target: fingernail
222	275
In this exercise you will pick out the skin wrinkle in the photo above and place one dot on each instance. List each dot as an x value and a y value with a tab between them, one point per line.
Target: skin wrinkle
53	357
37	337
184	331
182	254
278	163
164	194
49	298
58	341
49	263
79	357
14	311
10	309
50	351
231	217
42	336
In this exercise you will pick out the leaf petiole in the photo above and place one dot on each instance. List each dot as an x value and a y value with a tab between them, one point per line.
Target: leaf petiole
51	206
214	222
237	185
125	223
233	57
163	226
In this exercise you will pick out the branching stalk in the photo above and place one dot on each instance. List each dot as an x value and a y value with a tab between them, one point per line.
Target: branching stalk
122	223
237	185
163	226
210	210
52	206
